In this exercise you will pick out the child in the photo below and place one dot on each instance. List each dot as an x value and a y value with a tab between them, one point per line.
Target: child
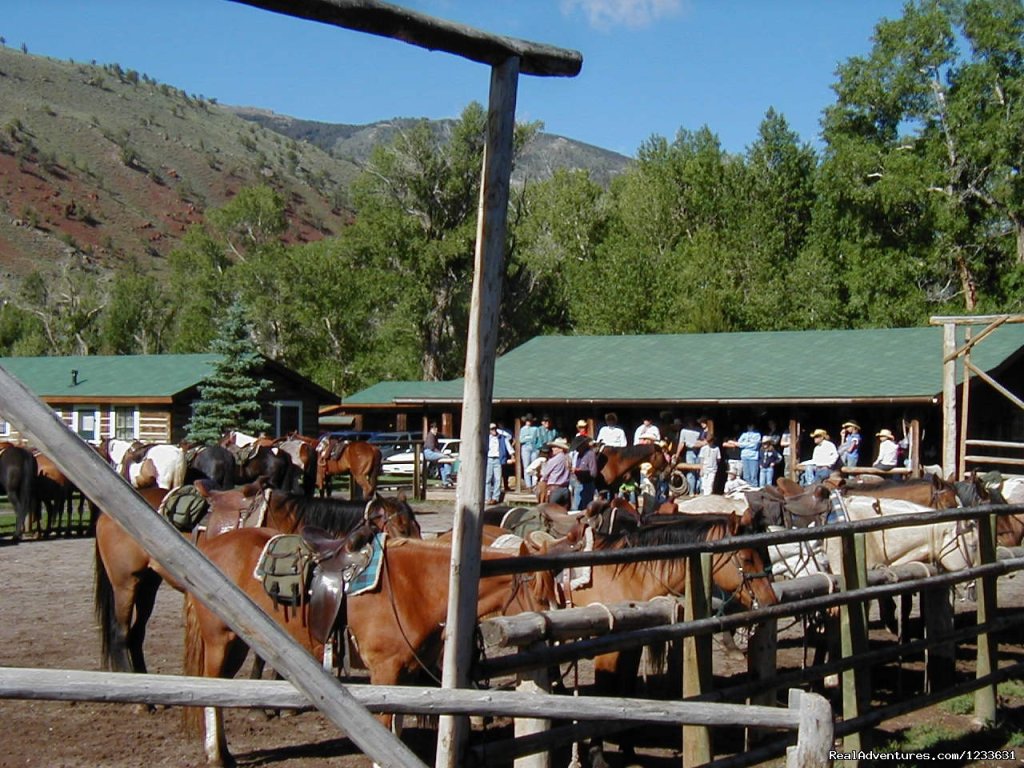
767	458
709	457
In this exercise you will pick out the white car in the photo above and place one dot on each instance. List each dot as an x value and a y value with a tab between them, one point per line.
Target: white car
402	463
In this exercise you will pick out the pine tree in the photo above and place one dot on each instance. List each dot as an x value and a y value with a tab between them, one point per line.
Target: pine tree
229	397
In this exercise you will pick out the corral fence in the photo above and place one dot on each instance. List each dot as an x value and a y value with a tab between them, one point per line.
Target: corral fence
540	641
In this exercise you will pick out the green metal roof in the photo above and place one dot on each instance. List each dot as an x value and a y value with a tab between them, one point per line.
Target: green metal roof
110	376
803	366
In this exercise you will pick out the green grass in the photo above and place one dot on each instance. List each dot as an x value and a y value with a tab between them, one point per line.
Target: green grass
964	705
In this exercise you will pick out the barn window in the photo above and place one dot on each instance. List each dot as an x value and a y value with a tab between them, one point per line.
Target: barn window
86	422
126	423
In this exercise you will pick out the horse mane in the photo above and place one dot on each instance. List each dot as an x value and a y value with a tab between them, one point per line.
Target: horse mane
336	516
677	530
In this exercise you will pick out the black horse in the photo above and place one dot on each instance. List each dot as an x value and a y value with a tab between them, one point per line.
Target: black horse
18	471
276	466
213	463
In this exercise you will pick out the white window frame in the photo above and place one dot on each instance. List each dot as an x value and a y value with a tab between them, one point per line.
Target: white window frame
279	405
76	421
135	420
5	427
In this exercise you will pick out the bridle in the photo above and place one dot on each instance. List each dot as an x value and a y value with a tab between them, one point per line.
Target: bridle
377	516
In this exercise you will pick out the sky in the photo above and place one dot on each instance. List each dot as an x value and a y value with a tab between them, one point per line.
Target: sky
650	67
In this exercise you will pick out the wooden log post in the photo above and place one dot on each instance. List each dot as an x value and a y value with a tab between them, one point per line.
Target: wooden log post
535	681
988	646
696	656
853	627
481	347
940	658
949	431
88	470
815	734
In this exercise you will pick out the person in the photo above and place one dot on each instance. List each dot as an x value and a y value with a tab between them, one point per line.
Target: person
546	433
611	433
534	468
888	451
748	442
686	450
767	458
734	483
849	446
528	447
497	454
508	466
784	445
647	432
582	428
554	476
824	458
432	453
585	471
709	457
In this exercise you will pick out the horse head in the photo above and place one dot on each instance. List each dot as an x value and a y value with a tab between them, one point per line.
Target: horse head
392	515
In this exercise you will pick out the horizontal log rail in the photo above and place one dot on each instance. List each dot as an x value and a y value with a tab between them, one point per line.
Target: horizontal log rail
590	647
530	563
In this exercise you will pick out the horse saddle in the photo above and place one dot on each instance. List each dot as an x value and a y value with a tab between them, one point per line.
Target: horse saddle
311	570
184	507
522	521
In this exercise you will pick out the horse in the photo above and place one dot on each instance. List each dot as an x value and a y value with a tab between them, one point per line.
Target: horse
615	465
56	492
303	454
144	464
266	461
396	627
359	459
18	469
212	462
740	574
931	491
127	578
551	518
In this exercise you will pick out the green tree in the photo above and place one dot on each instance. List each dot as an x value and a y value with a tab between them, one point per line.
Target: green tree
925	148
136	316
229	397
21	333
67	306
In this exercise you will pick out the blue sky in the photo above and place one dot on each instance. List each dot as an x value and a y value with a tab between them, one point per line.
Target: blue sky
649	66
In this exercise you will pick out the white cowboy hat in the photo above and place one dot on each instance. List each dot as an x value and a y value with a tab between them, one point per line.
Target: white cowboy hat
887	434
819	433
560	442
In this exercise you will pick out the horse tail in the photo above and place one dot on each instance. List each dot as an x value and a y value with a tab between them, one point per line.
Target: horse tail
375	470
195	663
103	608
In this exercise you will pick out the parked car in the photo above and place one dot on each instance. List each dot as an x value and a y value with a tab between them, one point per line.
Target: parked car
391	443
403	463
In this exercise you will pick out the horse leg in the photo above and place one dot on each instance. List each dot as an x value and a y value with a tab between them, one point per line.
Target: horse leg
145	599
222	658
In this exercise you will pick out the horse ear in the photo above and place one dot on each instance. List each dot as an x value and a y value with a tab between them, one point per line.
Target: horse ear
734	523
203	486
401	496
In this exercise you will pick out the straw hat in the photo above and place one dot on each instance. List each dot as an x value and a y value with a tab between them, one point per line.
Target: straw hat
581	424
819	433
560	442
853	424
886	434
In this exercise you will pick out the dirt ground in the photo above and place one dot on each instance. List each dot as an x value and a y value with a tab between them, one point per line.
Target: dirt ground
47	622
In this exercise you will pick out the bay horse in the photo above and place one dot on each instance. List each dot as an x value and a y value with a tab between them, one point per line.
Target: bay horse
397	628
930	491
615	465
55	491
741	574
359	459
127	579
18	469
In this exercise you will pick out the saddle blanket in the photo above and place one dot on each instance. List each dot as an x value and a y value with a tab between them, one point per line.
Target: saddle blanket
369	579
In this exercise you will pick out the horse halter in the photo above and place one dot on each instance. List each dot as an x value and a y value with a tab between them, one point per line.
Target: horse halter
377	516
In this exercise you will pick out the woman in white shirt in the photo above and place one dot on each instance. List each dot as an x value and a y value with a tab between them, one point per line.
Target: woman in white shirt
888	451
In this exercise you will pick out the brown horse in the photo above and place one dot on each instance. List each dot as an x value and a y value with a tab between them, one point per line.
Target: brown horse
930	491
740	574
127	578
56	492
397	627
616	465
18	470
359	459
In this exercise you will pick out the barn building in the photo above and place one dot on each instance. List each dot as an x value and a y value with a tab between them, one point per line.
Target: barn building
804	380
150	397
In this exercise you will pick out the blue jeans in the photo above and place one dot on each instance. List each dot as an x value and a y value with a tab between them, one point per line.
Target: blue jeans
530	453
443	468
766	476
493	486
692	478
750	470
814	475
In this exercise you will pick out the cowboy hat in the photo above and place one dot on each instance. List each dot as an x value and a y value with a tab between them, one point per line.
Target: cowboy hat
887	434
819	433
560	442
853	424
581	423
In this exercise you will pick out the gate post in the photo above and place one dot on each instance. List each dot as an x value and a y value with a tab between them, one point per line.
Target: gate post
853	635
988	647
696	656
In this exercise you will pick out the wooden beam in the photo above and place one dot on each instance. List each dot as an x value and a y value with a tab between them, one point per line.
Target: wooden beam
98	481
432	33
949	432
481	349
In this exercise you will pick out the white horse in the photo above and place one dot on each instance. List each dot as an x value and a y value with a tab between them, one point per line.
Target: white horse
952	545
162	465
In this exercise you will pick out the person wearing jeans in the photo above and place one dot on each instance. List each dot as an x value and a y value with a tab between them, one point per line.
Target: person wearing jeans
432	453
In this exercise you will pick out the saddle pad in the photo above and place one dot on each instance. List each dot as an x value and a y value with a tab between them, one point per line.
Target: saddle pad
284	568
507	541
369	579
